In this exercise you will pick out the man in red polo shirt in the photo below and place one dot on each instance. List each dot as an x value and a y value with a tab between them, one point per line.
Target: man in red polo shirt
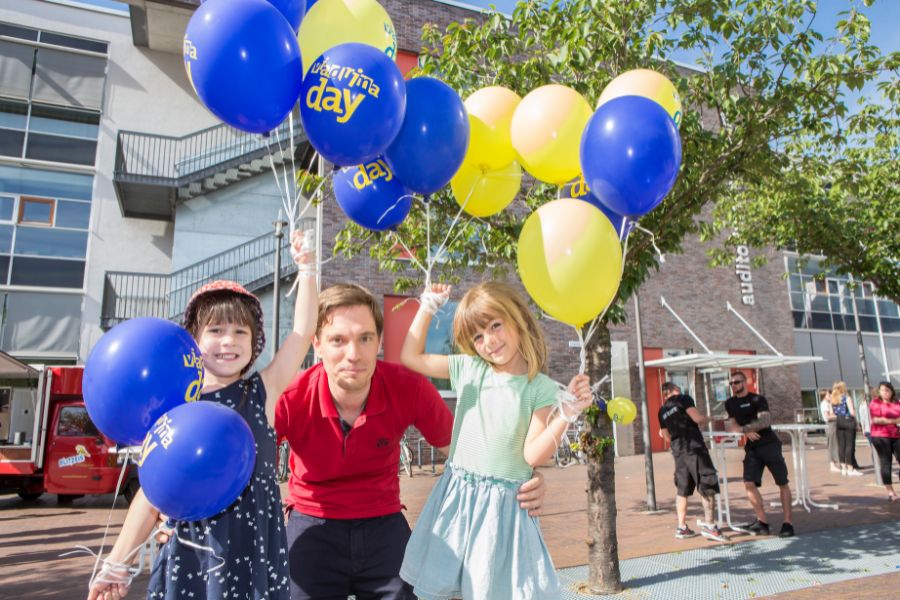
343	420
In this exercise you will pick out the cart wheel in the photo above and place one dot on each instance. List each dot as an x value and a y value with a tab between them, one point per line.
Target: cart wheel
30	496
131	490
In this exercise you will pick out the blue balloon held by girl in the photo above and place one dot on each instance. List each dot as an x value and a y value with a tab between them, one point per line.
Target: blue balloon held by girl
138	370
371	195
196	460
630	155
352	103
434	137
243	59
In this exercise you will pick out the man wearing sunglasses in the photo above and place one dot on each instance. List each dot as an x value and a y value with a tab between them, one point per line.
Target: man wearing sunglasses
749	414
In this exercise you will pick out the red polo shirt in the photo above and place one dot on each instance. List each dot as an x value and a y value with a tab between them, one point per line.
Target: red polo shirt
355	476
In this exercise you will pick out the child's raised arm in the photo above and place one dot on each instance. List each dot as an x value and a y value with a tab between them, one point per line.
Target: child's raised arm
543	437
412	355
284	366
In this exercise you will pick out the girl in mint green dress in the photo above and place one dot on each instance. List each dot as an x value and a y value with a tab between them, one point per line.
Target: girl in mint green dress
472	539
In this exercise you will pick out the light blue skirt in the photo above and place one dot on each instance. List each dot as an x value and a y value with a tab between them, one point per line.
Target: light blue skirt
473	541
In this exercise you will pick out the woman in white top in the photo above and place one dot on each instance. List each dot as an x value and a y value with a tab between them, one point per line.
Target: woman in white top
830	420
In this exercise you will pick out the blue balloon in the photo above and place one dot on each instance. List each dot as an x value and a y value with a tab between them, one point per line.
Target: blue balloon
432	143
630	155
371	195
137	371
196	460
352	103
579	190
293	11
243	59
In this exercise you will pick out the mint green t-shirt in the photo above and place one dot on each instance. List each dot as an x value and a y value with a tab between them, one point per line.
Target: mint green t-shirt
493	412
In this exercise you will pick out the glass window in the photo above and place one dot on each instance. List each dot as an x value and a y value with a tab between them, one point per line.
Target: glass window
799	320
13	115
887	309
72	42
6	233
6	208
18	32
11	142
64	121
36	211
4	269
820	321
61	149
73	214
40	182
47	272
62	243
890	325
75	422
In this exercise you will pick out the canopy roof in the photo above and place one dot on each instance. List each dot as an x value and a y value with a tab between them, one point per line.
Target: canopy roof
12	368
723	360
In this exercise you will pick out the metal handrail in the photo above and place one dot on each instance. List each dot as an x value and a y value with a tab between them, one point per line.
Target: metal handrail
183	159
129	295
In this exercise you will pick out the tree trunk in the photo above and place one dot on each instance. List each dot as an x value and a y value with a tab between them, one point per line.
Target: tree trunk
603	546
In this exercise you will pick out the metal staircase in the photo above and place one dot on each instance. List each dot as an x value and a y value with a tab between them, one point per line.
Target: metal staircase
152	173
252	264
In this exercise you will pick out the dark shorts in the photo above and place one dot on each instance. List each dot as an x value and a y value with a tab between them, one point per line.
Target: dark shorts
695	470
330	559
767	456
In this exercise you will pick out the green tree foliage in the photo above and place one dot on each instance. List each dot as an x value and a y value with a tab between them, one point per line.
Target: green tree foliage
769	140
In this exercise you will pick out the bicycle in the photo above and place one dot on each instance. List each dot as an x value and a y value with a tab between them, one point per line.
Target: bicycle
569	451
405	456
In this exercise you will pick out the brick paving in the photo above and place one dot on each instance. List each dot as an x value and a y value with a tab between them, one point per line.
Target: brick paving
32	535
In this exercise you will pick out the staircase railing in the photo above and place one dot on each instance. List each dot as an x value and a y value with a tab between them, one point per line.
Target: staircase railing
151	158
252	264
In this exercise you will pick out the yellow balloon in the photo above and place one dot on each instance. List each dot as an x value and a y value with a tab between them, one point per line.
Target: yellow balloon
483	193
570	260
332	22
646	83
621	410
490	116
546	132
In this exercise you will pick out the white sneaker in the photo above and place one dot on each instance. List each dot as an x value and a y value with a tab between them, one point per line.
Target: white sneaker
854	473
835	469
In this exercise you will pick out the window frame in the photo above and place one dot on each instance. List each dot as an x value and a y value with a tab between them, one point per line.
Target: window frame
38	200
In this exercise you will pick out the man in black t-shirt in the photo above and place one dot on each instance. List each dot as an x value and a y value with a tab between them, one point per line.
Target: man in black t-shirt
749	414
679	422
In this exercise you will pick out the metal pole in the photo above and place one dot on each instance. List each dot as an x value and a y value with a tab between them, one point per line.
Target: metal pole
859	343
884	358
276	283
645	410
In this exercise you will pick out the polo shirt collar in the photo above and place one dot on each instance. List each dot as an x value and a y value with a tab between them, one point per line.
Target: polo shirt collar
376	403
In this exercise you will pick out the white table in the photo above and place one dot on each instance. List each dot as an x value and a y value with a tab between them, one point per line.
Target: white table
719	459
798	432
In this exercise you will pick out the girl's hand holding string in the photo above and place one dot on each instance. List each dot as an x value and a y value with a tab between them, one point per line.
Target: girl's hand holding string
303	250
434	297
581	397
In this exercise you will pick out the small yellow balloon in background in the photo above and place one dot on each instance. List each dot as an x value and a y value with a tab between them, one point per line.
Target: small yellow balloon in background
646	83
546	132
483	193
621	410
490	116
570	260
332	22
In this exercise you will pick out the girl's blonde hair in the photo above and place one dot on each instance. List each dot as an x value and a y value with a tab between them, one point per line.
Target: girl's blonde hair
838	390
494	300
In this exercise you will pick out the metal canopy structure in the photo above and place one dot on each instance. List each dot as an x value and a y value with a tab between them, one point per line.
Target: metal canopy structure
722	360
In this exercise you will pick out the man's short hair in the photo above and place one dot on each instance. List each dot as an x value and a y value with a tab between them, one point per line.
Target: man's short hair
669	387
348	294
739	374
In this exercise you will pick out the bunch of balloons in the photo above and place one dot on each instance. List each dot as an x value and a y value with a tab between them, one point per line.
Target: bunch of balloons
626	161
141	383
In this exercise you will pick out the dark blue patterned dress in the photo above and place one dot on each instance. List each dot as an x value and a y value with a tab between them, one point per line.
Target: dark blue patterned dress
249	534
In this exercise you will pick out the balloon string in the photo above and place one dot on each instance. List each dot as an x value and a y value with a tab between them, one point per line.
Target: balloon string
662	257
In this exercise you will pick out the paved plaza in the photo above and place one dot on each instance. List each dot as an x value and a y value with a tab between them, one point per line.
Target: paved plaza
853	552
